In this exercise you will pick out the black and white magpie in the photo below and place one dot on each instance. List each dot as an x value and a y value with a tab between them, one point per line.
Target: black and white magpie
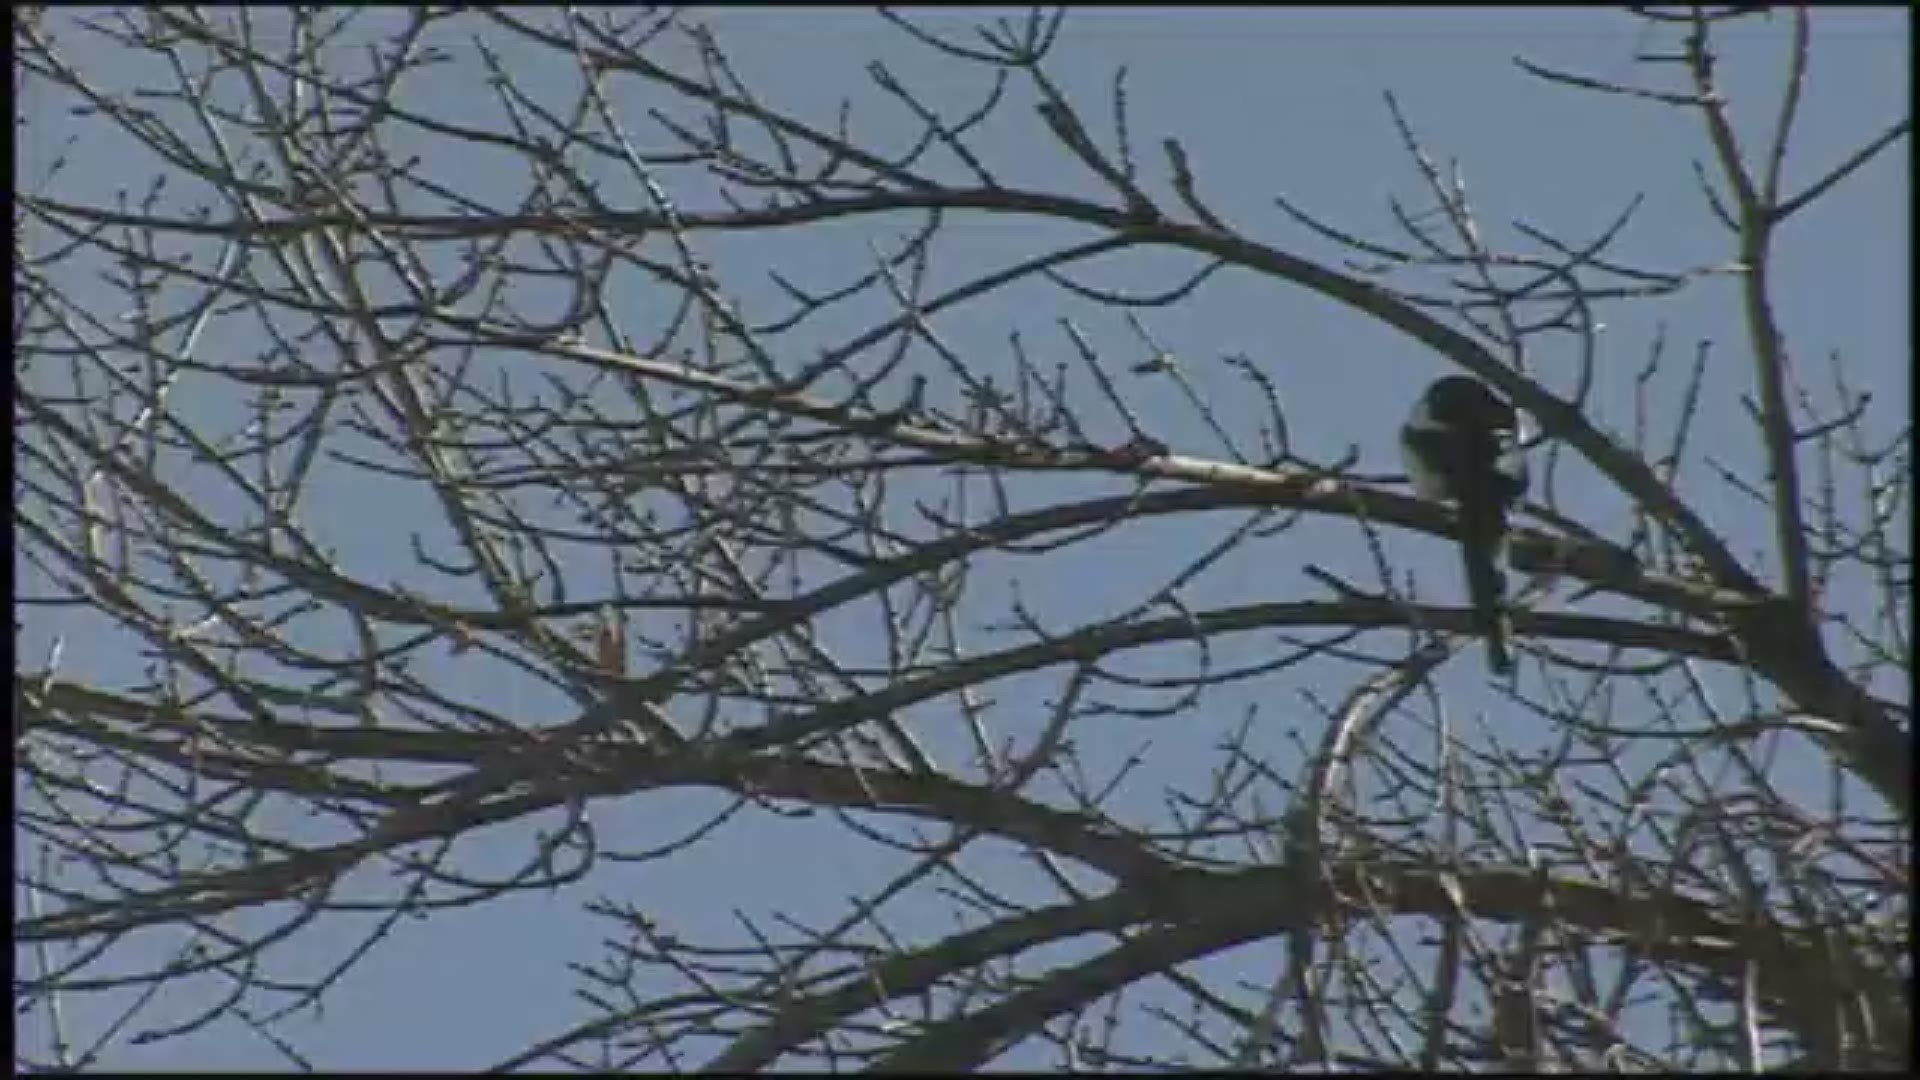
1460	445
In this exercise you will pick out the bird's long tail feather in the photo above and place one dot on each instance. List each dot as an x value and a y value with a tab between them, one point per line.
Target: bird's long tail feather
1480	536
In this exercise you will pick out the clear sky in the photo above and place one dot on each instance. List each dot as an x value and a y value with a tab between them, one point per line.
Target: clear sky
1267	102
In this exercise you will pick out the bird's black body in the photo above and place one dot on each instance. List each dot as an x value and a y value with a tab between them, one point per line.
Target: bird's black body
1459	446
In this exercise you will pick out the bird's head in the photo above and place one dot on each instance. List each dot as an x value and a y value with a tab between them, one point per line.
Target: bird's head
1462	402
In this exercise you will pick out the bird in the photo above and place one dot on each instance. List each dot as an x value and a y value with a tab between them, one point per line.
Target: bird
1460	445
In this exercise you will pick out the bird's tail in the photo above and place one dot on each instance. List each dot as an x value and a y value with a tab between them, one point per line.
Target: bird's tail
1486	586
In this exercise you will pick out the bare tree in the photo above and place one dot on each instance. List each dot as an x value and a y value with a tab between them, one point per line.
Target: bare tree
727	527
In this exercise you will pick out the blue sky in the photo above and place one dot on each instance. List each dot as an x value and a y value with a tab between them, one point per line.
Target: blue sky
1267	103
